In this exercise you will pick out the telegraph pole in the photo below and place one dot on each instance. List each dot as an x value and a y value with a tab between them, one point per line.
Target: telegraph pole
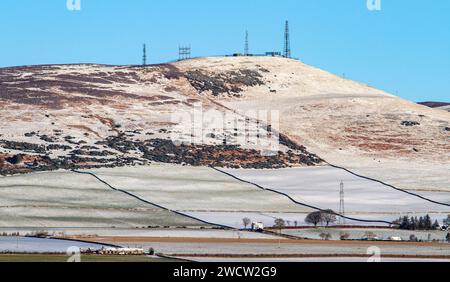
342	204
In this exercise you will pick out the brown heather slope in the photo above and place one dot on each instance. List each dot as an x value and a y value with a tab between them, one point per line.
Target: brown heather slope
437	105
87	115
79	116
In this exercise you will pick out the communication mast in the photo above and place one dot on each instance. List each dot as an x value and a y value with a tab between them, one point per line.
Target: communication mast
287	41
144	55
246	50
184	52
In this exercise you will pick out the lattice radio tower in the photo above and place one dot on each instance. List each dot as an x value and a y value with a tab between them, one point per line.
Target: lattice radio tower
184	52
287	41
144	55
342	204
246	50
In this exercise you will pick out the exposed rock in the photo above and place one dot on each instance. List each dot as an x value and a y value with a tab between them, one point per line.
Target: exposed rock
92	153
16	159
410	123
230	83
23	146
47	139
54	147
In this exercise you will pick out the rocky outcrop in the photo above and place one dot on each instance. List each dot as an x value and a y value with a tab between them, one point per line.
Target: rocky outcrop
230	83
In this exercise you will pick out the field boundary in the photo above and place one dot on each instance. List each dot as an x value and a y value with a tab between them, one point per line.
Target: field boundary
82	241
389	185
297	202
150	203
274	256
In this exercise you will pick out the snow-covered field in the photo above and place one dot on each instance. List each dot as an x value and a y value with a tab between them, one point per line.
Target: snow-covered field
186	188
40	245
320	187
184	233
67	199
201	192
300	248
218	198
142	233
359	233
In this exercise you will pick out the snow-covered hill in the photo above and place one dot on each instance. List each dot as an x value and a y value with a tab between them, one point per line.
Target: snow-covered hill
65	116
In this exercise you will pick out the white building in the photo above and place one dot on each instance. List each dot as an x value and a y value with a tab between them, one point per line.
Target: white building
257	226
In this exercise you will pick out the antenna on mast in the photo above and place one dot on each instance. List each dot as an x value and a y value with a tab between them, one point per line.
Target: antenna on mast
246	50
144	55
184	52
287	41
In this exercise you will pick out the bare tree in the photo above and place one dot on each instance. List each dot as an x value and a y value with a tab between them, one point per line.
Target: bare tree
329	216
280	224
246	221
314	218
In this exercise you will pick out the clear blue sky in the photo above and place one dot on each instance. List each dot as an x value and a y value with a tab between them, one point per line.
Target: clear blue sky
404	48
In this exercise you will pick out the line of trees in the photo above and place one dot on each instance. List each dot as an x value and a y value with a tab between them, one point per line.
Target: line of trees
328	217
414	223
319	217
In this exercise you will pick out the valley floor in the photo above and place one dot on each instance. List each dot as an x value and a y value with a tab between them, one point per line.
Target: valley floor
185	211
287	250
164	195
